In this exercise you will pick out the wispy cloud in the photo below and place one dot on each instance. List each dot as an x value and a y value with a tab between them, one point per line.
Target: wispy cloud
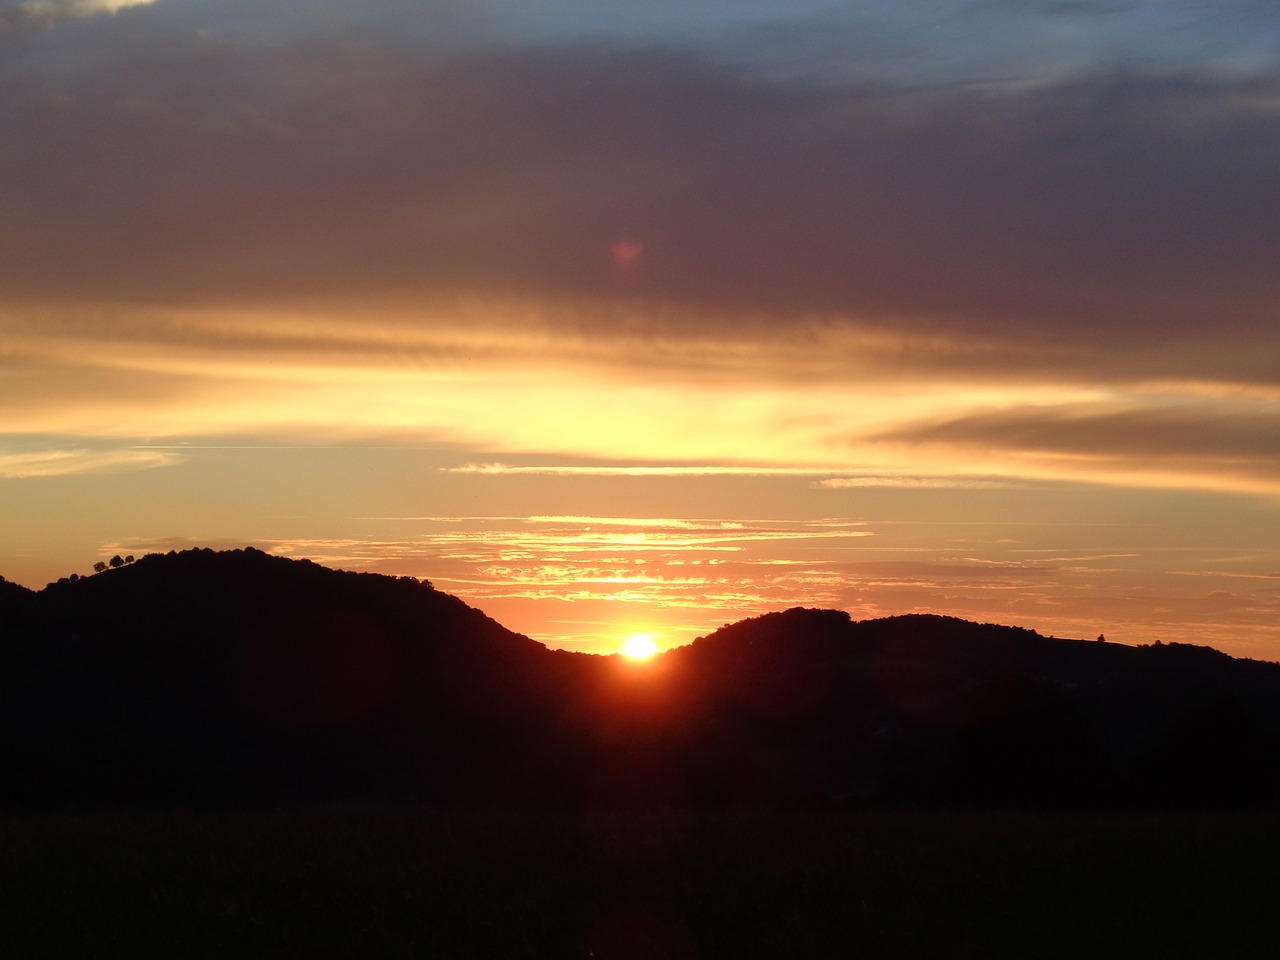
1226	574
613	470
43	13
78	8
64	462
709	470
632	470
688	575
913	483
1232	442
651	523
944	421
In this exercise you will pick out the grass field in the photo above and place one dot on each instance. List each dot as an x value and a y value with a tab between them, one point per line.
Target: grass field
477	885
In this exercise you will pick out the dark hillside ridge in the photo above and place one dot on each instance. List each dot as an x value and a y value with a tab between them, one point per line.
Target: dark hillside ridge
13	595
239	679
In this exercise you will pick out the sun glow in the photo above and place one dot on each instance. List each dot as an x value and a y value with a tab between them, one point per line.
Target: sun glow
640	646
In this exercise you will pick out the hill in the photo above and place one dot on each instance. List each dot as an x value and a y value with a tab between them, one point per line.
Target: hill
241	679
238	677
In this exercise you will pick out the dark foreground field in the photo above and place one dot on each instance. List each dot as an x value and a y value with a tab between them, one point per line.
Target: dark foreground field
471	885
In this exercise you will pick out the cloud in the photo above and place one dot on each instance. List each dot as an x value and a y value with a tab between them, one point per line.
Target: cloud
839	406
912	483
1226	574
608	470
207	235
34	14
1111	203
651	470
693	574
646	522
62	463
1196	442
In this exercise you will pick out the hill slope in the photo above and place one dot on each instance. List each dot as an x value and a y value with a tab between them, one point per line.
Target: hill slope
238	678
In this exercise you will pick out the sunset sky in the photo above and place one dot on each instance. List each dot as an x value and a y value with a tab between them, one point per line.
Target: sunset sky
650	316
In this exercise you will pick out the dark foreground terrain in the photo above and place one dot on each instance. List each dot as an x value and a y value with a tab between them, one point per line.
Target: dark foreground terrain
236	755
240	681
641	885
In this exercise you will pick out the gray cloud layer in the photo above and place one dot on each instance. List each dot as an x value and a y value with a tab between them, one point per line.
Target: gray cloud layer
1188	441
200	169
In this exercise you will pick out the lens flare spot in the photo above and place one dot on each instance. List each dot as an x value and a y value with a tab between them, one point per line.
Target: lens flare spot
626	253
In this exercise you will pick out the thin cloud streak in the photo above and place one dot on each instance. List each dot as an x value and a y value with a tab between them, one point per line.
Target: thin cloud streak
41	14
829	483
912	483
623	470
64	463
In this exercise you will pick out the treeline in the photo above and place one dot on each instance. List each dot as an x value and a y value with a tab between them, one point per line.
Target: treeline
101	566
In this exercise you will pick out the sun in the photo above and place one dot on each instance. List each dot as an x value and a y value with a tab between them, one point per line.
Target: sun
640	646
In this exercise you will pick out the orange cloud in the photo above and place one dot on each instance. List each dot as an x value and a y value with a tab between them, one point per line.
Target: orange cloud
509	376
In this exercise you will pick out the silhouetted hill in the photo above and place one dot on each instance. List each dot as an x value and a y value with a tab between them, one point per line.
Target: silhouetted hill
929	709
10	589
14	598
238	678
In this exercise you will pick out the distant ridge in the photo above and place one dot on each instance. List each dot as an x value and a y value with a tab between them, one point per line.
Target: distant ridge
236	678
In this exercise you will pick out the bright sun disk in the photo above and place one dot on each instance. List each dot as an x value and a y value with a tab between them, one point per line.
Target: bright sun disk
640	646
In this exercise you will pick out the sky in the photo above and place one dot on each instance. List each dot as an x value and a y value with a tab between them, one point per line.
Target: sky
611	317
